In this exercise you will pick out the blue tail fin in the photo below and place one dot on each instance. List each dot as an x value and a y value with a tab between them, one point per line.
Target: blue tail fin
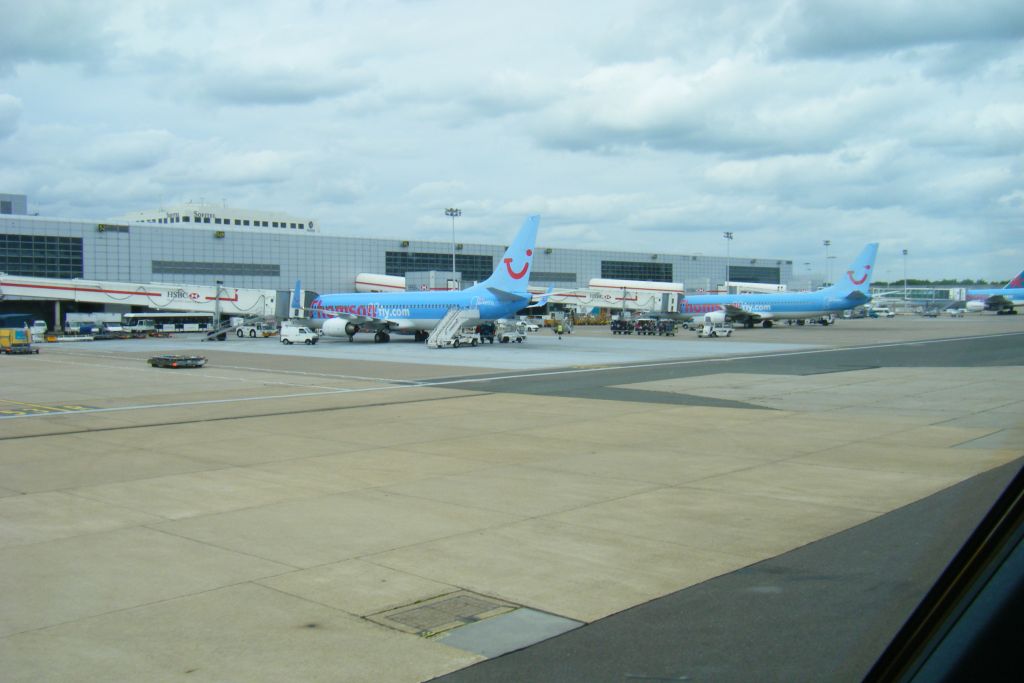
513	271
1016	283
297	300
858	276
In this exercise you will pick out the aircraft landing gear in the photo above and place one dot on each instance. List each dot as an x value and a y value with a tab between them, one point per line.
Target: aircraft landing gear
766	323
382	337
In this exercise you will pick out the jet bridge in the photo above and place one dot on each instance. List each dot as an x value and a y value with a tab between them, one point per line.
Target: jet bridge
230	301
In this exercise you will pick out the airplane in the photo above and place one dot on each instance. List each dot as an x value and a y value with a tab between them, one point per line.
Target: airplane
749	309
1003	301
417	313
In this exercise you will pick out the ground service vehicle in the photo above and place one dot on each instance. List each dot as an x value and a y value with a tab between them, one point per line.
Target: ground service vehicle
712	329
487	332
168	322
16	340
172	361
253	330
511	332
622	327
304	335
467	336
646	326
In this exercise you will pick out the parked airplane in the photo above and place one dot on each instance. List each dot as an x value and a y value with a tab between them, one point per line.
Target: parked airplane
749	309
417	313
1003	301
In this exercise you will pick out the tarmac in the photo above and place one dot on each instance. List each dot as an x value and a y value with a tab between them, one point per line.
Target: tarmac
366	512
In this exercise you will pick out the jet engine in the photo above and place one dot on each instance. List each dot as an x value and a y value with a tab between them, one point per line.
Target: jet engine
337	327
975	306
714	318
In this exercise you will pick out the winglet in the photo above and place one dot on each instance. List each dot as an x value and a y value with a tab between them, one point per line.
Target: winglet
542	300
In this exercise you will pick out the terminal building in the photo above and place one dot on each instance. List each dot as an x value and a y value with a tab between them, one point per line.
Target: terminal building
204	243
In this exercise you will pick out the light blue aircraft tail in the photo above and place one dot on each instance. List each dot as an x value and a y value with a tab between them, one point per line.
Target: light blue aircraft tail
857	278
296	307
513	271
1015	283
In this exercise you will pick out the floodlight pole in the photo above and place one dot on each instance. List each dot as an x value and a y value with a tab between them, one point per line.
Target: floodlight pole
454	213
728	241
828	266
904	277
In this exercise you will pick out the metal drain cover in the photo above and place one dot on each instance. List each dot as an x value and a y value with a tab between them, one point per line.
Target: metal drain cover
443	613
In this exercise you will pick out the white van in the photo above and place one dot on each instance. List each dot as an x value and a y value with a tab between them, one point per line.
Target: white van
291	335
881	312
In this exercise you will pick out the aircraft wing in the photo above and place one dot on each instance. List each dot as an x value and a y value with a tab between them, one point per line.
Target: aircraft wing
734	312
365	323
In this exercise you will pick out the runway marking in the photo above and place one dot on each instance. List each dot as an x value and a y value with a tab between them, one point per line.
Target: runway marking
525	375
302	373
38	409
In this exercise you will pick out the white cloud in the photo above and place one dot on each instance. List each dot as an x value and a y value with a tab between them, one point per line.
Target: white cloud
127	152
646	126
10	112
834	28
54	32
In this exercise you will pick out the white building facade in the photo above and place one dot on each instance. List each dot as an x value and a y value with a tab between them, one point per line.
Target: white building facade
154	247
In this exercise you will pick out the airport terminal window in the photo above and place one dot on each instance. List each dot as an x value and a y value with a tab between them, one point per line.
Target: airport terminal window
472	266
41	256
636	270
761	274
6	206
214	268
542	276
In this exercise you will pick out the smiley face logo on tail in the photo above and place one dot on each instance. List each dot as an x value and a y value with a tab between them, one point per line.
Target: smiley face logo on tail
518	275
849	274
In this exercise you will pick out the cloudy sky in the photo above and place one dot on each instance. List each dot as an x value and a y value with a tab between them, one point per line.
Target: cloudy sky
636	125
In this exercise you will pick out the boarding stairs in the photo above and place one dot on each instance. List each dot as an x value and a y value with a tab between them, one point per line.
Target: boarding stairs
227	328
450	326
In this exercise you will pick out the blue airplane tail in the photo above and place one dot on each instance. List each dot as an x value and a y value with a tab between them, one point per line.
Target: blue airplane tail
1015	283
856	281
513	271
296	303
